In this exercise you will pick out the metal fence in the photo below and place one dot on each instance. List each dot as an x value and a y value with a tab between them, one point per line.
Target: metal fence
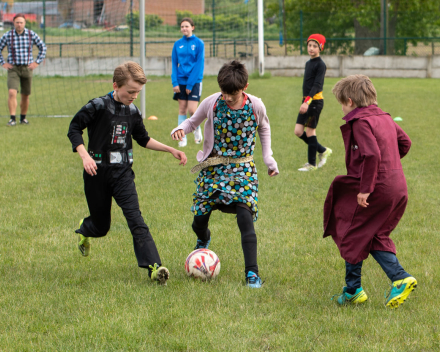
224	48
228	28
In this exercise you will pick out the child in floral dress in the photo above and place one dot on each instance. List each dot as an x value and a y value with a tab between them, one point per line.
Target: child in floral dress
228	179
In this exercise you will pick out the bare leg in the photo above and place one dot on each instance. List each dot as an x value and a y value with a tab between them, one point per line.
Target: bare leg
299	130
310	132
192	107
24	104
12	101
183	107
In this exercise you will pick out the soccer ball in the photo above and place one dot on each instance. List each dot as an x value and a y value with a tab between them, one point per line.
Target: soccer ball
202	264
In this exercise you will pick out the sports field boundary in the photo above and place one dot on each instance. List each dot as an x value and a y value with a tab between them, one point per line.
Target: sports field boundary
337	66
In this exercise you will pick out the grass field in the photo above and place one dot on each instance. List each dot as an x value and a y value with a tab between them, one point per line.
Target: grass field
53	299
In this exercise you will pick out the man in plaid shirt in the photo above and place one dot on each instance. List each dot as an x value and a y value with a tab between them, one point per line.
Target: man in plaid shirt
20	64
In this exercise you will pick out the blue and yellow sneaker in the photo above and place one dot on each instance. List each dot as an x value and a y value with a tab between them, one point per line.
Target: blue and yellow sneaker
400	291
84	243
253	280
159	273
356	298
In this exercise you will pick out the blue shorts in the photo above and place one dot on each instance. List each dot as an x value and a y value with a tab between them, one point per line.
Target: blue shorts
193	96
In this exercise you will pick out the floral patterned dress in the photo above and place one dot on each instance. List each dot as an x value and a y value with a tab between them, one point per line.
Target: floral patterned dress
225	186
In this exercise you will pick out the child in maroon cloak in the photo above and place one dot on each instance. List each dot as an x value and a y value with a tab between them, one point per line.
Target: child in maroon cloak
374	145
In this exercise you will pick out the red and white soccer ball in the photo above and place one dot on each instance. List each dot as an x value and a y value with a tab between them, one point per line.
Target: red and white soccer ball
202	264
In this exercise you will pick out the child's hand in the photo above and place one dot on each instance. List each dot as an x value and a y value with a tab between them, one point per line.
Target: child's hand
176	89
362	199
178	135
272	173
304	107
90	166
179	156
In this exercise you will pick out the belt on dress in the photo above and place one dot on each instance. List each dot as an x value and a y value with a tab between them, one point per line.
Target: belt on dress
220	160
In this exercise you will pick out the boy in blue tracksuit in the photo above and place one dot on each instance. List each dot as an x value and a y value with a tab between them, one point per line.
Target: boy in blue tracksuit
188	62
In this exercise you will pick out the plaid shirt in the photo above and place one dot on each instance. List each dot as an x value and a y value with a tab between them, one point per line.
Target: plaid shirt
21	48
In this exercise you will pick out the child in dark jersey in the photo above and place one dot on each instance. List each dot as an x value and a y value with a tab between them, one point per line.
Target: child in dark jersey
313	103
112	121
227	175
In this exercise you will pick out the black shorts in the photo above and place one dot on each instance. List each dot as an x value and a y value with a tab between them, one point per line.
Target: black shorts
193	96
311	117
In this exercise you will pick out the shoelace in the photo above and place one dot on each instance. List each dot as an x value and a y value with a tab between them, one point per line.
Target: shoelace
335	295
254	279
201	244
153	268
390	289
83	239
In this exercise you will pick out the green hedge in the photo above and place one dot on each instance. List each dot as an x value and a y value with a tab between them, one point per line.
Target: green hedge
222	22
151	21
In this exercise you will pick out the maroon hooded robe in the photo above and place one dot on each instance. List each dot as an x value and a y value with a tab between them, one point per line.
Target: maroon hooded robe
374	145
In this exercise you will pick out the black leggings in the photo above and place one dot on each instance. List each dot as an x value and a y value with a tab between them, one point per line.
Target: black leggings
248	236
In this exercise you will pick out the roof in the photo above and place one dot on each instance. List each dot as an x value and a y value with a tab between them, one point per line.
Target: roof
35	7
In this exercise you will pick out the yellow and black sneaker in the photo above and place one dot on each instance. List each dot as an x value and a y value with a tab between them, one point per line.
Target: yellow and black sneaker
324	156
84	243
159	273
356	298
400	291
308	167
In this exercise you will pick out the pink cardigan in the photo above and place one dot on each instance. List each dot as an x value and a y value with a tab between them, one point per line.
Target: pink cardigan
206	110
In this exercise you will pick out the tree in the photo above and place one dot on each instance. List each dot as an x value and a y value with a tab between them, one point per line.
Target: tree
360	19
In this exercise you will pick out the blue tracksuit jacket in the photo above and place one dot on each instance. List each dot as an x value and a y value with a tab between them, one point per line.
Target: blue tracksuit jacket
188	59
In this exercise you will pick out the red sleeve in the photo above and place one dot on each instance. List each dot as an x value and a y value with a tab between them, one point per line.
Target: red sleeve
370	154
403	141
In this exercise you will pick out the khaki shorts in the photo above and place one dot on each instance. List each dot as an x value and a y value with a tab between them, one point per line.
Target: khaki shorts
20	76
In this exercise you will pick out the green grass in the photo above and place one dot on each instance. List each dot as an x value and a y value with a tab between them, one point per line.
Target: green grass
52	299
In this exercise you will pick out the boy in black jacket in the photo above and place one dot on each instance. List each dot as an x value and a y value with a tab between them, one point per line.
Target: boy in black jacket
112	121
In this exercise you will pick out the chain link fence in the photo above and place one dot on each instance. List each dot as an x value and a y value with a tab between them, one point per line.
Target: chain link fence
109	28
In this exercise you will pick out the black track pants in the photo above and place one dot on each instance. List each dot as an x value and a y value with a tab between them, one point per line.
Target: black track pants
119	184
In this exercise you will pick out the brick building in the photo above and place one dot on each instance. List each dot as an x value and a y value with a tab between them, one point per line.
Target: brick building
53	18
113	12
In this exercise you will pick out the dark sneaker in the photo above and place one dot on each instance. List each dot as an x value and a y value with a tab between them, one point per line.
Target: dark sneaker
11	123
400	291
24	122
358	297
159	273
201	244
253	280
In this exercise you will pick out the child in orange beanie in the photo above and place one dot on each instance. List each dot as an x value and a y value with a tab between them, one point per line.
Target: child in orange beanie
312	104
